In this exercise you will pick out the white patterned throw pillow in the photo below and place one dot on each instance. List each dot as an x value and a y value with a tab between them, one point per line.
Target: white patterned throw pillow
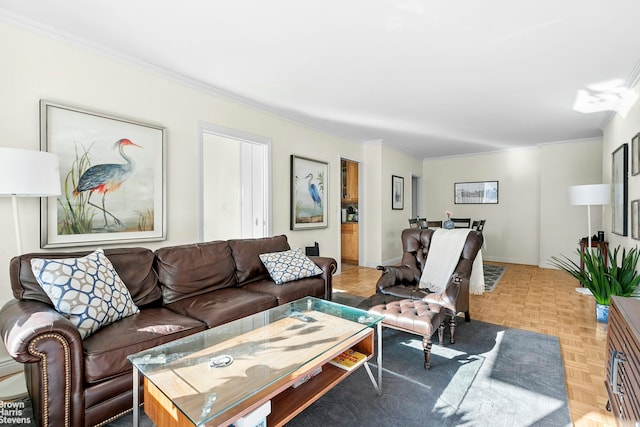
289	265
87	290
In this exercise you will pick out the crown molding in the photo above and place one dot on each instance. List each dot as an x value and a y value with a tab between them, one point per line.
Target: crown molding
80	43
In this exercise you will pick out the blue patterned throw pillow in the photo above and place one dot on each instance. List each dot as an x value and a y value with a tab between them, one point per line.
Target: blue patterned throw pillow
289	265
87	290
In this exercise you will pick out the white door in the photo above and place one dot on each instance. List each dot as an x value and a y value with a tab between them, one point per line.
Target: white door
235	184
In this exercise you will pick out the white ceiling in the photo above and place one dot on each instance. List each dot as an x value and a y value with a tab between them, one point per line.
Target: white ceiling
431	78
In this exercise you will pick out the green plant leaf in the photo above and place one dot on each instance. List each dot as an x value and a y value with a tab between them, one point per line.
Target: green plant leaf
604	277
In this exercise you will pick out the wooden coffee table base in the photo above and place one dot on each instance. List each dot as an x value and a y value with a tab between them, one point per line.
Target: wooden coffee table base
286	402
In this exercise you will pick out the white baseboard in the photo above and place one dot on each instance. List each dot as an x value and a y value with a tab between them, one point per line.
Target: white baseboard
509	260
13	387
394	261
9	366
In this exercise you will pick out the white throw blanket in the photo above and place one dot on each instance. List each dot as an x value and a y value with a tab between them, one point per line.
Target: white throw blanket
444	253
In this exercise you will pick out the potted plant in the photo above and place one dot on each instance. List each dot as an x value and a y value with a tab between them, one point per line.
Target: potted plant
604	279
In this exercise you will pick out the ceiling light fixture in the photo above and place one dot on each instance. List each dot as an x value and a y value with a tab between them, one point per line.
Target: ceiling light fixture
611	95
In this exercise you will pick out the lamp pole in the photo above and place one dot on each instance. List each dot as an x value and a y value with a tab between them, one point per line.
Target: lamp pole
16	223
589	225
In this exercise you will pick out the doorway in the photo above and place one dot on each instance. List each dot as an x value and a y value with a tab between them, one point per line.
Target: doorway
349	213
235	184
416	197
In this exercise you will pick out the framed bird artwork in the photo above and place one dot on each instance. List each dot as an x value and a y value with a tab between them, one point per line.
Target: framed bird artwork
112	175
309	191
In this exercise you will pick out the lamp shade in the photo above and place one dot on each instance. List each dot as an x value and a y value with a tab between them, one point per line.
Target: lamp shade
28	173
592	194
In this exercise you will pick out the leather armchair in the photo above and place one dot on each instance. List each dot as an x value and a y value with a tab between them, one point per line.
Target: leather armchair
403	281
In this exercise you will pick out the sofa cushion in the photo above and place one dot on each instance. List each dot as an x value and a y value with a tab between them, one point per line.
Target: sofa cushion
312	286
87	289
188	270
223	305
287	266
134	266
106	351
246	254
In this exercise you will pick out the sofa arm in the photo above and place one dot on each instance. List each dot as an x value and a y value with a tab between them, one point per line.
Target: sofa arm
455	299
51	347
395	275
328	266
24	323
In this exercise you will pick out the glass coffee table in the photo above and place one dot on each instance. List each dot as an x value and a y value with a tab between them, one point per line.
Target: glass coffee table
222	374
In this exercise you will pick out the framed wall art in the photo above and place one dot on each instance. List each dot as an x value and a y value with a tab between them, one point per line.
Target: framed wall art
635	155
112	174
309	193
397	192
619	180
635	223
480	192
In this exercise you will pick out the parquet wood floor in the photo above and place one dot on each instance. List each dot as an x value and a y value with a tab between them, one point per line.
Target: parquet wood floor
539	300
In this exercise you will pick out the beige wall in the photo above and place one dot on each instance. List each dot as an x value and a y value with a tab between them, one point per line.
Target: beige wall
532	196
394	221
562	225
619	131
370	198
381	226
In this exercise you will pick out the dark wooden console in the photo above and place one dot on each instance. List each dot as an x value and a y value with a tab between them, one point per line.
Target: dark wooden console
622	371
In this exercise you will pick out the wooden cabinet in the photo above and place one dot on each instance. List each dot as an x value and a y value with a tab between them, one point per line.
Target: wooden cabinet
349	181
622	369
349	242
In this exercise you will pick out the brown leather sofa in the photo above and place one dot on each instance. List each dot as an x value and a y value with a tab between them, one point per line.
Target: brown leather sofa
403	281
180	290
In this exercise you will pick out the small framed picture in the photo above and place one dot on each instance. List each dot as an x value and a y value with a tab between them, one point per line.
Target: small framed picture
397	192
635	222
635	155
481	192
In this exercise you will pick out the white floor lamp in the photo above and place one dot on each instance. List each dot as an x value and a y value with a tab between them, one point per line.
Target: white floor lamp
25	173
592	194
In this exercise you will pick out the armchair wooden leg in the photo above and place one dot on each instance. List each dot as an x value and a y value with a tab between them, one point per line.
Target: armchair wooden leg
467	316
441	333
452	329
426	343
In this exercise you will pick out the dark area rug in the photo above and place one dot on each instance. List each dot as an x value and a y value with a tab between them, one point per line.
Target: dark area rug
492	375
492	275
347	299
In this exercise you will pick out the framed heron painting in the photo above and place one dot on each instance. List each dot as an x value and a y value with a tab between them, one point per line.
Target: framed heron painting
112	175
309	193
